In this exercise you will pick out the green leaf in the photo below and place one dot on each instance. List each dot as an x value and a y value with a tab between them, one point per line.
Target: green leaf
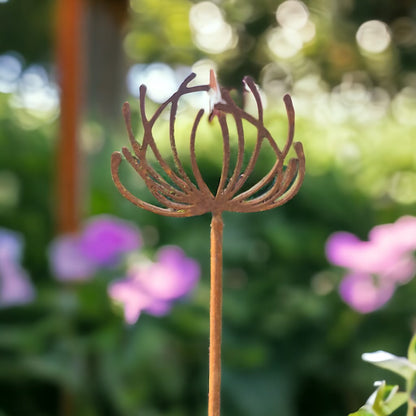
411	388
363	412
383	401
399	365
397	400
411	353
383	394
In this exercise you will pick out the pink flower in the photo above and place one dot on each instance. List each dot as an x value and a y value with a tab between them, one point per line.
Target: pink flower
100	244
15	285
134	299
153	287
363	294
170	277
403	231
384	256
375	266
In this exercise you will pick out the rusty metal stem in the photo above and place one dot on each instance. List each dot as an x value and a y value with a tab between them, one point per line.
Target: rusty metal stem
215	319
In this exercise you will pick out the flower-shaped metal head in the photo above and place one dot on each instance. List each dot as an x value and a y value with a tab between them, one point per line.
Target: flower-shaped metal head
181	196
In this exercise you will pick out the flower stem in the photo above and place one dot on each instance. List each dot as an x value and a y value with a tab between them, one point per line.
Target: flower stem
215	320
410	408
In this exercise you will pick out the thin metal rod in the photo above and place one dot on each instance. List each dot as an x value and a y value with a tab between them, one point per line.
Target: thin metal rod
215	321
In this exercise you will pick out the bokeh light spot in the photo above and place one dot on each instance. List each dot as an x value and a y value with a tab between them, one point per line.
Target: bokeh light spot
292	14
10	69
158	77
307	32
373	36
222	40
211	32
36	92
403	187
404	106
205	17
35	99
135	78
284	43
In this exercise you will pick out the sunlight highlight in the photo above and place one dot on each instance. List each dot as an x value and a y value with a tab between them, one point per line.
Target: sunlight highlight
10	70
211	32
403	187
161	80
373	36
292	14
294	31
36	93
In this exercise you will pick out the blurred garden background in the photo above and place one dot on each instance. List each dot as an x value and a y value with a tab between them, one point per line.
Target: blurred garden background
291	345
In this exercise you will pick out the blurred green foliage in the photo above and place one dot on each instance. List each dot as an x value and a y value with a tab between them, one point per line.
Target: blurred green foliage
290	346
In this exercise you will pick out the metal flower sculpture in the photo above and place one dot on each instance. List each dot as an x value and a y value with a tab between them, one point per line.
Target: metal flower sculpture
180	196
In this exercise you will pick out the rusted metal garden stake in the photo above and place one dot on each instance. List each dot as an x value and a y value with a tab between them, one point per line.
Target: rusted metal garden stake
69	56
179	196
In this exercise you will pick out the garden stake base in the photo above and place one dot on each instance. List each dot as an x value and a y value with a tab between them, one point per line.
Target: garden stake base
179	196
215	316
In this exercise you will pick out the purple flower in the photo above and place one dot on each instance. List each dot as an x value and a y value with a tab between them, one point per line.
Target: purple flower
105	238
15	286
375	266
100	244
11	245
67	260
153	287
